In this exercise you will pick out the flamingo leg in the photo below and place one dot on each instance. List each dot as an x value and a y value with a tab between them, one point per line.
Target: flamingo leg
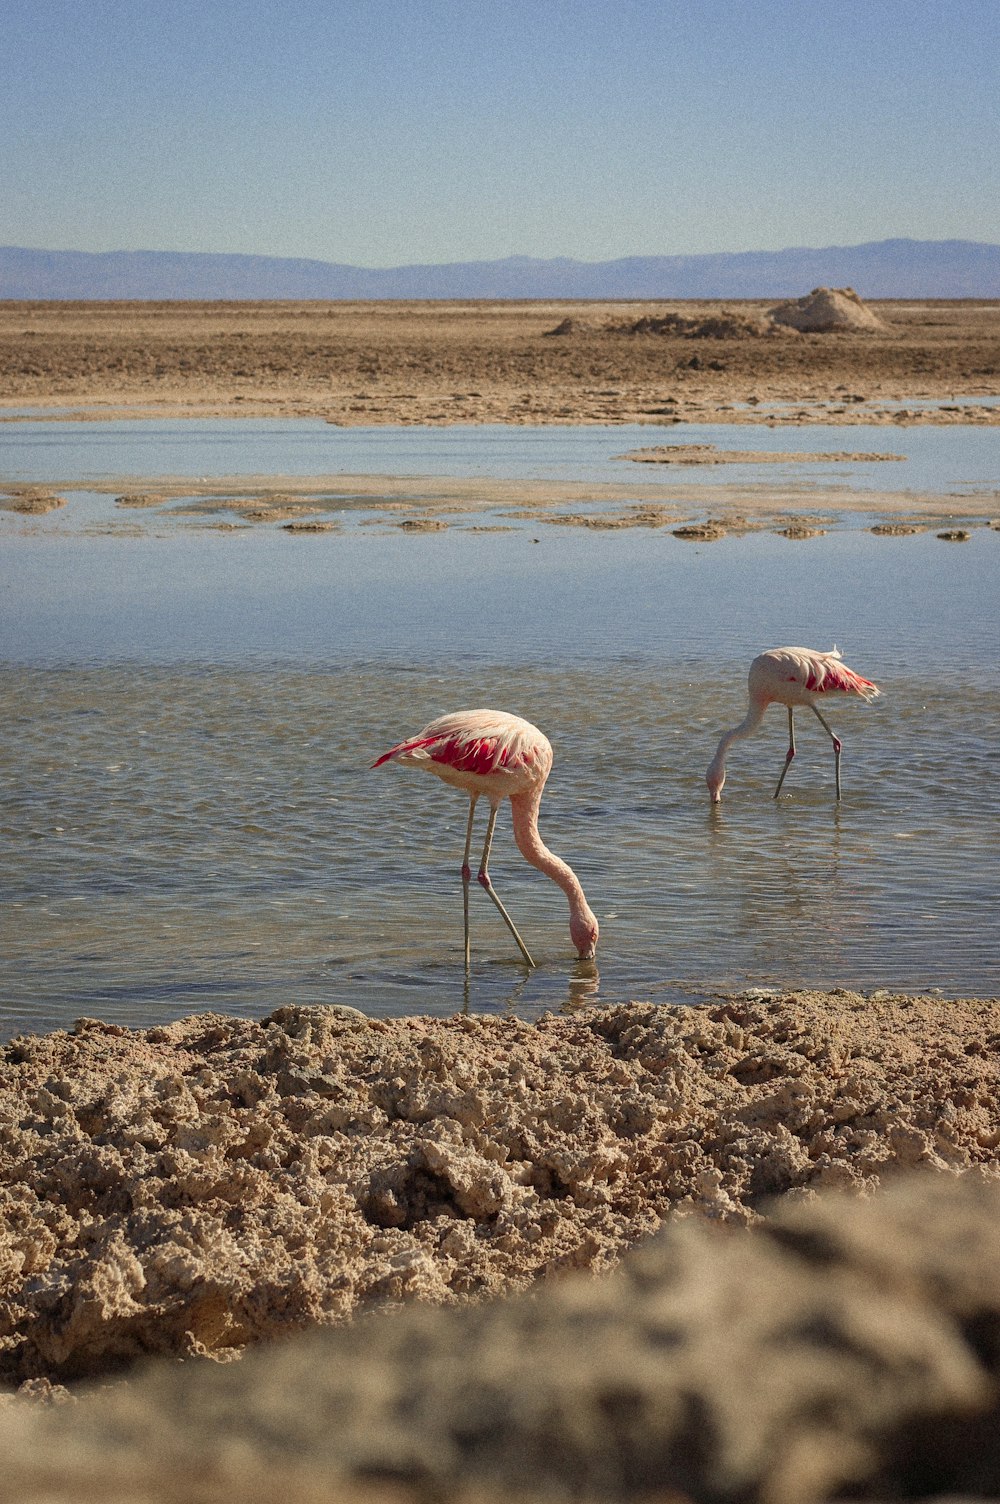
791	750
484	879
837	746
467	873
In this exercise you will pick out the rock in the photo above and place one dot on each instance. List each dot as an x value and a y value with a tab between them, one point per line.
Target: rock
700	532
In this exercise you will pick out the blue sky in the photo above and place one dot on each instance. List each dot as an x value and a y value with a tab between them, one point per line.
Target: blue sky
383	132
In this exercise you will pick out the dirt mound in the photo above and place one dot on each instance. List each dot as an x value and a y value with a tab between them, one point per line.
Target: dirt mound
726	324
31	501
826	310
567	326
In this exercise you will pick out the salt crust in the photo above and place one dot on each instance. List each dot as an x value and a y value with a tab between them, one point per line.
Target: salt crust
201	1187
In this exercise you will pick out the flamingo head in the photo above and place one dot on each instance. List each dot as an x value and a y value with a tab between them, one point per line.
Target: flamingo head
584	929
716	779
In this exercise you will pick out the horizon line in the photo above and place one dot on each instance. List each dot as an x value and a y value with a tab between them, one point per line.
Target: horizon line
512	257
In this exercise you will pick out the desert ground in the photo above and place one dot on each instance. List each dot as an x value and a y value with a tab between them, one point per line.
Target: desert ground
500	362
740	1251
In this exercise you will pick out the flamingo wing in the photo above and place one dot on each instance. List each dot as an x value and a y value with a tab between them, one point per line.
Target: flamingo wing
829	672
816	673
480	742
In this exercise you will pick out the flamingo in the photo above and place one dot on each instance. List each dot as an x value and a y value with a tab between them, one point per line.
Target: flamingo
497	756
789	676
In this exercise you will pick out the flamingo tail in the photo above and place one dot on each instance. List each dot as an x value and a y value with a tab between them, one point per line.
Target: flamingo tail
412	746
839	676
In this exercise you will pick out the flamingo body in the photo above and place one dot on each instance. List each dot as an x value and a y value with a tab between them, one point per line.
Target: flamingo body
791	677
481	751
490	754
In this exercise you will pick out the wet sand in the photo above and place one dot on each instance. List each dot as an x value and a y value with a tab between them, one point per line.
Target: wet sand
424	503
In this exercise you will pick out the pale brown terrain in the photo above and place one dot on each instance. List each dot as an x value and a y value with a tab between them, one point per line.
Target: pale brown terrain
499	362
438	363
202	1186
743	1251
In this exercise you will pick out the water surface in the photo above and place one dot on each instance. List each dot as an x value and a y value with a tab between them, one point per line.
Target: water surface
190	821
962	460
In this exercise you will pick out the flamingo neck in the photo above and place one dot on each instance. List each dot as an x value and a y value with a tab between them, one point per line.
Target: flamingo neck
524	810
747	726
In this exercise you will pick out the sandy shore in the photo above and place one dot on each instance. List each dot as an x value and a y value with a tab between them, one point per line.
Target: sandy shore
844	1348
401	498
505	363
420	504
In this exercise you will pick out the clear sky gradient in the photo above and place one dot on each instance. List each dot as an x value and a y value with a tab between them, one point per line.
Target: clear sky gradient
385	132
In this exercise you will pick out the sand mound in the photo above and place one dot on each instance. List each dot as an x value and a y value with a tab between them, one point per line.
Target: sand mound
201	1187
31	501
826	310
726	324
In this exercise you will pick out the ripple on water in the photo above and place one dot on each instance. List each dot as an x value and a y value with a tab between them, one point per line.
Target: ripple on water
188	838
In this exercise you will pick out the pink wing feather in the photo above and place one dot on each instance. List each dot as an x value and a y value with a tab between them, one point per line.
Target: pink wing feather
480	742
482	756
817	673
413	746
828	673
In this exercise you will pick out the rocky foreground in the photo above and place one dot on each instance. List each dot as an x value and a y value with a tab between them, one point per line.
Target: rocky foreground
194	1190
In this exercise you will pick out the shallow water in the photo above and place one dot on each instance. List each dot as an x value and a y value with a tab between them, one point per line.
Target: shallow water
912	603
196	837
957	459
190	821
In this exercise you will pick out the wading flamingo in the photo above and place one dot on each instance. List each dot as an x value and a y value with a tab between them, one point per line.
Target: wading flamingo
497	756
789	676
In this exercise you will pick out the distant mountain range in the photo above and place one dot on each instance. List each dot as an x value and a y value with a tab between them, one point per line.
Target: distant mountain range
880	269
